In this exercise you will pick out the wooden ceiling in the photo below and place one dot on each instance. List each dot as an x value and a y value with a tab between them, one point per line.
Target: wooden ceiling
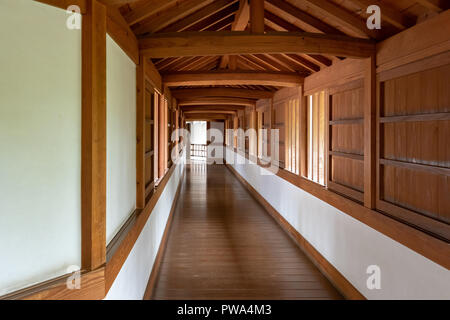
149	18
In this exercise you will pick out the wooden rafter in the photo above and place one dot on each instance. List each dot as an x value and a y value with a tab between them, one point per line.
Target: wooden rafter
430	5
278	79
344	18
389	14
294	12
210	21
278	24
220	43
216	100
212	107
240	23
155	23
201	14
146	9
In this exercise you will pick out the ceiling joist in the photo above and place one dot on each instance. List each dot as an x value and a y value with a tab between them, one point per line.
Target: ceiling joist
221	92
223	42
277	79
217	101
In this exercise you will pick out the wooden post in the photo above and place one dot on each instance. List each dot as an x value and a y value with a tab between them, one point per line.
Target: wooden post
257	16
162	127
93	137
370	133
140	135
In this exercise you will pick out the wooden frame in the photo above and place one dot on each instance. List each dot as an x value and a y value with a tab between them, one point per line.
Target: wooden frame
404	212
93	137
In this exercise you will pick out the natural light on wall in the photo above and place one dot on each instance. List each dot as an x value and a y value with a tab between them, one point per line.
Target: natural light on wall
121	138
316	137
40	139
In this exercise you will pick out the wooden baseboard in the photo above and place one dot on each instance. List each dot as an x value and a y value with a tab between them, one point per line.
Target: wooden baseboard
92	287
162	246
332	274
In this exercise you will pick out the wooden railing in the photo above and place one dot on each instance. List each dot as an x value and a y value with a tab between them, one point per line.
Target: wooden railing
198	150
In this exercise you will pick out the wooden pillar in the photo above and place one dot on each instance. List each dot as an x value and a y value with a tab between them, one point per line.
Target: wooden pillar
93	137
370	133
162	143
140	135
257	16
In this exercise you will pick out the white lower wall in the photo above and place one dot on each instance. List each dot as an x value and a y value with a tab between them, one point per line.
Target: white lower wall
121	138
132	279
348	244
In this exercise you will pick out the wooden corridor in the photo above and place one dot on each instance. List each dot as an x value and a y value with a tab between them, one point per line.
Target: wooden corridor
224	245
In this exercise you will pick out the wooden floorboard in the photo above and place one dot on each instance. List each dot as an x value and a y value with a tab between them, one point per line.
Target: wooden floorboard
224	245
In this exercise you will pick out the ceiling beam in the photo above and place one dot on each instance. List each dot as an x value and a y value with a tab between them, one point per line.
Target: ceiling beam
278	79
221	92
205	116
204	108
216	101
209	111
225	42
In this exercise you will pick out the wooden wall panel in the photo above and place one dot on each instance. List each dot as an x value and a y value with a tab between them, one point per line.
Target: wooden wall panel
418	93
348	172
346	139
414	151
419	191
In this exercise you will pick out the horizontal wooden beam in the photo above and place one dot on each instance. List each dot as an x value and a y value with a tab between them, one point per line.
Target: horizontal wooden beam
221	92
206	116
177	44
279	79
216	101
210	112
204	108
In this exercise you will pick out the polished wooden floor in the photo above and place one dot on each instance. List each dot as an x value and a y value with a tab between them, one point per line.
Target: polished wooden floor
224	245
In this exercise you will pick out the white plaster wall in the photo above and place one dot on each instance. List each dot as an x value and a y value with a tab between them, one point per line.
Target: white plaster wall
349	245
40	143
131	282
121	137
